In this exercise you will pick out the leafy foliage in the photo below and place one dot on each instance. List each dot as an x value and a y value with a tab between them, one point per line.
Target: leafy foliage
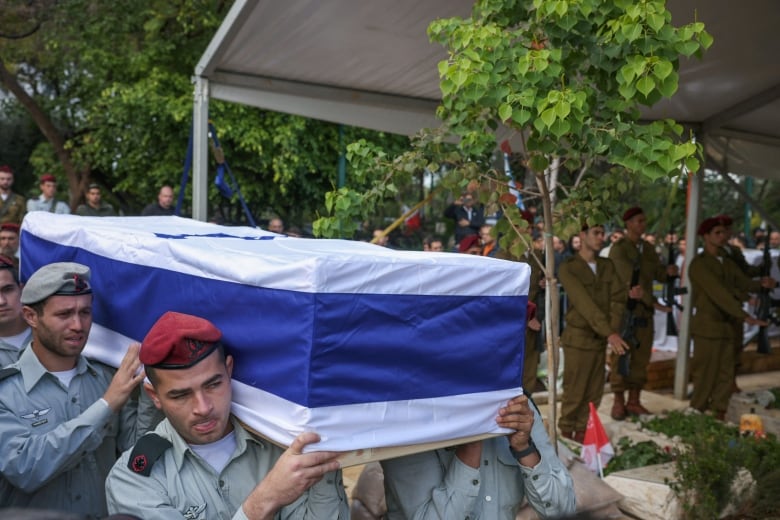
636	455
706	470
113	78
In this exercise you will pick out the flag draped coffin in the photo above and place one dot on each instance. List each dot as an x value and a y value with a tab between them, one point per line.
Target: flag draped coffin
367	346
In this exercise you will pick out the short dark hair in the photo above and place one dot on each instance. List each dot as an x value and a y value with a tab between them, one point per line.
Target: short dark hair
151	372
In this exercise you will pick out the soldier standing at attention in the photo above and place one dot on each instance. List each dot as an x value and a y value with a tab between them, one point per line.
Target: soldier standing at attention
597	300
751	271
713	281
628	254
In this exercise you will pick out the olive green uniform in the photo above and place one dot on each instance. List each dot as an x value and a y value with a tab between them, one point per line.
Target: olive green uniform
751	271
625	254
715	281
596	305
13	208
531	351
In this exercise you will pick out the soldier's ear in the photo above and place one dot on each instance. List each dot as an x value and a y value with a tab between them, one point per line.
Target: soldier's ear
152	393
30	316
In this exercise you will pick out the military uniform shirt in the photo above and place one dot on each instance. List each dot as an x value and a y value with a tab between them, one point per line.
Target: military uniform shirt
716	281
10	353
437	485
12	209
183	485
41	204
624	253
596	301
105	210
59	443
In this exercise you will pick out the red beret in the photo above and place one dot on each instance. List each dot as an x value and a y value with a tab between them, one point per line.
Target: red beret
468	242
631	213
10	226
707	224
179	341
7	169
48	177
725	220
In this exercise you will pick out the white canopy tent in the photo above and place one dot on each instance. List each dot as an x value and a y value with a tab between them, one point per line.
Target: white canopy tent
370	64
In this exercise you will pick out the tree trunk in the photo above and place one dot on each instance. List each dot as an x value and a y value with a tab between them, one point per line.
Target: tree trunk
552	309
76	180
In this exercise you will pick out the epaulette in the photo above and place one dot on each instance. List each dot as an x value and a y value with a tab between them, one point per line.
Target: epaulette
145	453
8	372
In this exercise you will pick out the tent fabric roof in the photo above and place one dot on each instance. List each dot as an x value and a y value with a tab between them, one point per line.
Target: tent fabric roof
371	64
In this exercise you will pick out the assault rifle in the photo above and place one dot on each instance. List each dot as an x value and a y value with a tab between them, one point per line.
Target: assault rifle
764	311
670	291
628	326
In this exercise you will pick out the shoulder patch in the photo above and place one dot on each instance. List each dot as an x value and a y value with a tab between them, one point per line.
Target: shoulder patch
145	453
8	372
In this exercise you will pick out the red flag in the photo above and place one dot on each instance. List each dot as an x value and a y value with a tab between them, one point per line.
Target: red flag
413	221
596	448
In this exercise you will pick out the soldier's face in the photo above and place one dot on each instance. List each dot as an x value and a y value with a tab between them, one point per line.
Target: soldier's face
717	236
637	224
6	181
10	298
593	238
196	400
9	240
48	189
63	327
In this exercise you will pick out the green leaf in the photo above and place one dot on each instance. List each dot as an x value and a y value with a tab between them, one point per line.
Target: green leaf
705	39
444	66
645	85
560	128
662	69
562	109
627	90
627	74
548	117
538	163
459	77
655	21
686	48
668	86
561	7
505	111
521	117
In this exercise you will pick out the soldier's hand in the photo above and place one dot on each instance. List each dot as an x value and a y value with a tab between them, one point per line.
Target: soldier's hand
534	325
750	320
517	415
616	344
768	282
291	476
128	376
636	292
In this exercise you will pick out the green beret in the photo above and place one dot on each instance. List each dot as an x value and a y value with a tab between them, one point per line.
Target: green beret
60	278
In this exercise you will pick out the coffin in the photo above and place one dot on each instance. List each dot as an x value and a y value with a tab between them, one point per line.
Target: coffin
369	347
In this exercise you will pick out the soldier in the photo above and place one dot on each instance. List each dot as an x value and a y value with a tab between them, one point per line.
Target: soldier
12	205
597	300
95	206
47	201
15	334
200	462
713	280
533	346
750	271
63	418
633	252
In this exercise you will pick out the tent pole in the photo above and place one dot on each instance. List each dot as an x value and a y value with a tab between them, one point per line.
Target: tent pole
200	136
683	340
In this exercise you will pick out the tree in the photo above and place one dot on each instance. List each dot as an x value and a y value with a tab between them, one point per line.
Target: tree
564	79
108	85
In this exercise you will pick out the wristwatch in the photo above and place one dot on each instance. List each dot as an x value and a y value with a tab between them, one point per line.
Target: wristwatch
524	453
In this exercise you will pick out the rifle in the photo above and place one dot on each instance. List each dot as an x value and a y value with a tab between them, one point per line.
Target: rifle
628	326
670	291
764	311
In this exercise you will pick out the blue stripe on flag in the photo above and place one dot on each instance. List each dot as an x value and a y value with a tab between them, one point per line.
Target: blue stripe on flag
318	349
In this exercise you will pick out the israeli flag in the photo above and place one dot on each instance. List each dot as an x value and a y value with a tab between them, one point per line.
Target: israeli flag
367	346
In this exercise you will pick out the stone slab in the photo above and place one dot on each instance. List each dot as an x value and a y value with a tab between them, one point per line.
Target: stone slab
645	493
